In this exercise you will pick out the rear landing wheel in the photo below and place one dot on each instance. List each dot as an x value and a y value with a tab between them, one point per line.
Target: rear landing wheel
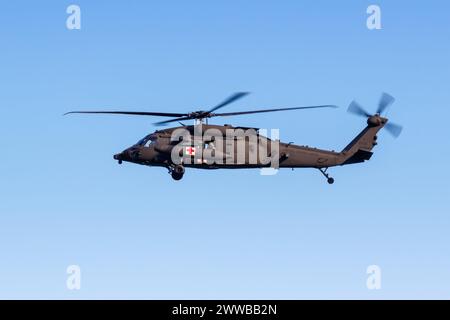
330	180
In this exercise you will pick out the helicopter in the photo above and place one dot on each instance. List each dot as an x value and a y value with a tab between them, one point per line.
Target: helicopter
195	149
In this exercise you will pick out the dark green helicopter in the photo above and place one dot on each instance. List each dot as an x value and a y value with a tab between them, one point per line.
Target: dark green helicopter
190	146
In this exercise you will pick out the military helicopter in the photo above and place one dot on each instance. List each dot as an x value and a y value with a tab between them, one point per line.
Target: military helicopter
158	148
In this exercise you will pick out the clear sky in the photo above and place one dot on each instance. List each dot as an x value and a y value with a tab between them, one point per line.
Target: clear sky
136	233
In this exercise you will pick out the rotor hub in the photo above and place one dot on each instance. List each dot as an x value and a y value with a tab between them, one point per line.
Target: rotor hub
374	120
199	114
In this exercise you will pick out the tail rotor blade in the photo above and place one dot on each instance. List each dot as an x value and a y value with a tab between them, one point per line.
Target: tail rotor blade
394	129
356	108
385	101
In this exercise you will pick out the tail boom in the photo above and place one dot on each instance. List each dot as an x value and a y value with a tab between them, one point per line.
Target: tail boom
360	148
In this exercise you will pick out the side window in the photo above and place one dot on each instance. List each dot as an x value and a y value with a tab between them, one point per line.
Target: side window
209	145
150	142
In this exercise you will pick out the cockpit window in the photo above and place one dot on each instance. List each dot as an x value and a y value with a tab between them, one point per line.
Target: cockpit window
147	141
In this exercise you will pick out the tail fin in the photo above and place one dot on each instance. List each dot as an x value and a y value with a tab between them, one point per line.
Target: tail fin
359	150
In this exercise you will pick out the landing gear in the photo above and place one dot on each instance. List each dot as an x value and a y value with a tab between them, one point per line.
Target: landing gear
176	176
177	172
330	180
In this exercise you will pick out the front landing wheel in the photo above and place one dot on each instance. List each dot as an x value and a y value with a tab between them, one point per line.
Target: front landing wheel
176	176
330	180
177	172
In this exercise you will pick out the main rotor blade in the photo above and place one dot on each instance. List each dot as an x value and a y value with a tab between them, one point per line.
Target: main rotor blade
161	123
394	129
268	110
356	108
229	100
134	113
385	101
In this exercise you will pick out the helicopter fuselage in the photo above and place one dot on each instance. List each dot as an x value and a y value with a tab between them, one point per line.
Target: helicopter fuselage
247	148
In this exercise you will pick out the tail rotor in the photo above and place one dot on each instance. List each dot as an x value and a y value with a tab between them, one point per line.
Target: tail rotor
386	100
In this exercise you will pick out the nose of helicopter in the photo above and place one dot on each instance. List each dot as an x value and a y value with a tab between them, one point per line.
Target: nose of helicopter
130	154
122	156
118	156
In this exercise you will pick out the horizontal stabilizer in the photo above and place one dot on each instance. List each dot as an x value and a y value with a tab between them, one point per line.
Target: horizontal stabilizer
360	156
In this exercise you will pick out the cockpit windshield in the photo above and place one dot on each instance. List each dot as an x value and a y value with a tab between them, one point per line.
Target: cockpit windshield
147	141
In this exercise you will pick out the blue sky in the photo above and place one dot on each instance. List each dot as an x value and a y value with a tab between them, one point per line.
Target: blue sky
135	233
